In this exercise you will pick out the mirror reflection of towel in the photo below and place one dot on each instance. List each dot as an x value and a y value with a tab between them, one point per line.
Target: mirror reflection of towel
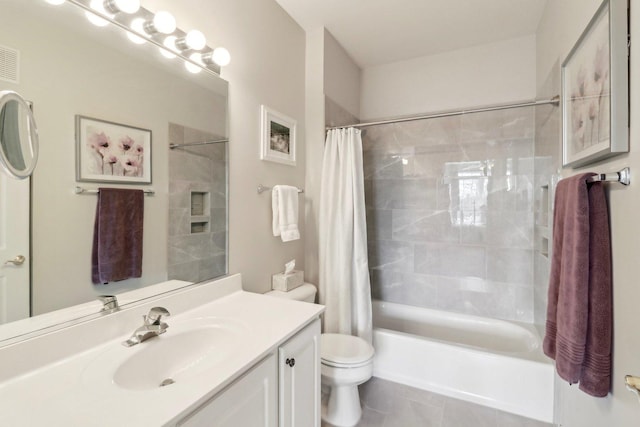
117	235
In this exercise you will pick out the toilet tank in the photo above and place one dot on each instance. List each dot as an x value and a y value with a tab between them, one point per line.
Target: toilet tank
305	292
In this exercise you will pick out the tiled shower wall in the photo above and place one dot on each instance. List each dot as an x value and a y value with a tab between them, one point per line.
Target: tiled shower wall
450	212
197	253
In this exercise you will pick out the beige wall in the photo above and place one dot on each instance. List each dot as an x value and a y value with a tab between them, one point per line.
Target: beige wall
267	67
561	25
481	75
314	107
342	76
331	73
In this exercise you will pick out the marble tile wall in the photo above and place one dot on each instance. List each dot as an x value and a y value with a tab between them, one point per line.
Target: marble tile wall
196	256
450	212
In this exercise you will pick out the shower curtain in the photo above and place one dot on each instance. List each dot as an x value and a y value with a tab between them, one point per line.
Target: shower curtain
344	269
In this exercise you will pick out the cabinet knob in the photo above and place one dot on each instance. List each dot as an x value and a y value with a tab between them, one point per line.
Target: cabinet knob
290	362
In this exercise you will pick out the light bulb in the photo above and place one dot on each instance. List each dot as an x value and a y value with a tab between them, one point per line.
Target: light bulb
55	2
192	68
126	6
98	6
170	43
136	25
163	22
195	40
221	56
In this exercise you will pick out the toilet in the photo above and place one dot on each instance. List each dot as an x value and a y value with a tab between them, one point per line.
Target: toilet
346	362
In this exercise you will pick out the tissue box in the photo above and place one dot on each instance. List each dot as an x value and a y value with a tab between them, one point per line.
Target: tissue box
286	282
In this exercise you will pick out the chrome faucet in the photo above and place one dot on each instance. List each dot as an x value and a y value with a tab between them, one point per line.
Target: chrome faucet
109	303
153	326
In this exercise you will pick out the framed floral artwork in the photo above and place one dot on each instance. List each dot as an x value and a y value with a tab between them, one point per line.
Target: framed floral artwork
112	152
595	89
278	137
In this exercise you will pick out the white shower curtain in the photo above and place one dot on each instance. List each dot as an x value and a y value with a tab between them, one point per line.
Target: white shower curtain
344	269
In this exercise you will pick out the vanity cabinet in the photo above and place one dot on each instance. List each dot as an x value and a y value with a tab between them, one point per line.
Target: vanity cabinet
299	379
281	390
248	402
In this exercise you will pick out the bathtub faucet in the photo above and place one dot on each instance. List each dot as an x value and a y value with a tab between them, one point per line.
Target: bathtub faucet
153	326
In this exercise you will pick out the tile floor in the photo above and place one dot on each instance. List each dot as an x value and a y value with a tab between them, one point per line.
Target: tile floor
388	404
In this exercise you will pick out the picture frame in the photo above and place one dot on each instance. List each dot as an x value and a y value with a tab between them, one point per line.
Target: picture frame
112	152
278	137
595	89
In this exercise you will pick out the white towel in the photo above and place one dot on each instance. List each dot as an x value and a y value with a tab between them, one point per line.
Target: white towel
284	203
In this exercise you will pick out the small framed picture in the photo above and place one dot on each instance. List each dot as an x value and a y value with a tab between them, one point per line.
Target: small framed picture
595	89
112	152
278	137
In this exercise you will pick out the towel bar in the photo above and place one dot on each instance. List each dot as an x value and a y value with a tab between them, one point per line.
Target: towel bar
80	190
262	189
623	177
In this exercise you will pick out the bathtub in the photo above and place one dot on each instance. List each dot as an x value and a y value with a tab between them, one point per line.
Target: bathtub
486	361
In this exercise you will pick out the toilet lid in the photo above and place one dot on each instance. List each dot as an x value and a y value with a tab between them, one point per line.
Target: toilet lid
342	349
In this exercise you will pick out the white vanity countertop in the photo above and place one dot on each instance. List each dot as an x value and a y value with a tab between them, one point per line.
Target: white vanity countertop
79	391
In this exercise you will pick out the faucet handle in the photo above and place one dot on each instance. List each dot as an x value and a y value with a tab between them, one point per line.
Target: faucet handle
155	314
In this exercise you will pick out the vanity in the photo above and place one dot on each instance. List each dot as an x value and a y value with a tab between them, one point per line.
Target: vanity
227	358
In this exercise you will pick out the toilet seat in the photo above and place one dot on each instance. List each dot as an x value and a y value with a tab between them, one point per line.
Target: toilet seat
345	351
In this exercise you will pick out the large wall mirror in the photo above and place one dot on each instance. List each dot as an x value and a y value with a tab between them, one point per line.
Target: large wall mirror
67	67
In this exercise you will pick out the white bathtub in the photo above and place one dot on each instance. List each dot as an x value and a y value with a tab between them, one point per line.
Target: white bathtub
486	361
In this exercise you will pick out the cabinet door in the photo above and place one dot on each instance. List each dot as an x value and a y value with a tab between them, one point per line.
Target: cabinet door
248	402
299	371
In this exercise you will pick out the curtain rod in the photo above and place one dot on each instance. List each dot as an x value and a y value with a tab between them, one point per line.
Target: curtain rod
555	101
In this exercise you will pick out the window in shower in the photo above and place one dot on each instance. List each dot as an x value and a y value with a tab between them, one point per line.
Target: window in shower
468	183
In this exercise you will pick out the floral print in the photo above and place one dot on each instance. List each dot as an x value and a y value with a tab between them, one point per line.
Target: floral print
122	157
590	93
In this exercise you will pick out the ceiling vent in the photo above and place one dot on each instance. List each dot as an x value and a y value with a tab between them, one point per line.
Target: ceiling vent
9	65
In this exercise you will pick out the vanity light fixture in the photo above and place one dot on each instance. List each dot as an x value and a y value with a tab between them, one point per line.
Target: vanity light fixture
158	29
125	6
219	55
162	22
193	40
98	6
137	25
170	43
55	2
192	68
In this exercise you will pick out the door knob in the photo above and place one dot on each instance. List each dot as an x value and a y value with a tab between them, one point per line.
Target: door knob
18	260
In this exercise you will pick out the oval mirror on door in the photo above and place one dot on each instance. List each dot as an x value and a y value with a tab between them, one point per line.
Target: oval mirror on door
18	136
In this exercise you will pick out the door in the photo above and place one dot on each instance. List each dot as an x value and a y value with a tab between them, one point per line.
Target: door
14	248
299	371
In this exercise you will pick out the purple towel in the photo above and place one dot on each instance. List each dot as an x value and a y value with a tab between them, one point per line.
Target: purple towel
579	310
117	235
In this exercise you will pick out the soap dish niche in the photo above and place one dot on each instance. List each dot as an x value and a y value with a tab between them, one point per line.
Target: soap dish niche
200	206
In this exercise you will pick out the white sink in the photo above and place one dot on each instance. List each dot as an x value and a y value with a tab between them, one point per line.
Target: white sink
185	351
